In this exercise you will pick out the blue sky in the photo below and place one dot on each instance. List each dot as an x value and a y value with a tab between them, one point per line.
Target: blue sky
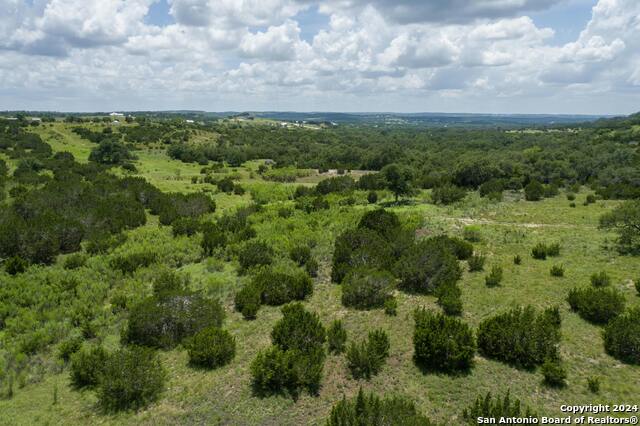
525	56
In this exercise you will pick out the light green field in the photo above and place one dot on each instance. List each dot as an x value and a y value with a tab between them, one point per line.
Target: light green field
224	396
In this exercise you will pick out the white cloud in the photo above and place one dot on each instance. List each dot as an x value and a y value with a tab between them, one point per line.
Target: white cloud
277	43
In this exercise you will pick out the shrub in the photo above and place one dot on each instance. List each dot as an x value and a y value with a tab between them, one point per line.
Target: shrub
360	247
521	337
300	254
553	250
254	253
557	271
391	306
272	370
298	329
372	197
371	410
87	366
129	263
335	184
311	267
449	299
622	337
534	191
278	288
211	347
213	237
495	277
366	358
367	289
69	347
600	279
539	251
554	373
517	260
165	322
597	305
571	196
463	250
185	226
248	300
476	263
383	222
336	337
637	285
442	343
593	384
427	265
591	198
472	234
447	194
15	265
133	378
572	205
500	407
169	282
74	261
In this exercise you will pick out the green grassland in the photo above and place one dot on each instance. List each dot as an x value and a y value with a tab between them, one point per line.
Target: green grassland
224	396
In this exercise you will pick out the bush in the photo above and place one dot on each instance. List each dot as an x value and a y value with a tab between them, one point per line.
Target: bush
300	254
591	198
336	337
273	370
476	263
211	347
372	197
637	285
472	234
501	407
278	288
554	373
367	289
557	271
463	250
494	278
391	306
449	299
517	260
248	301
597	305
129	263
371	410
366	358
521	337
169	282
571	196
213	237
622	337
427	265
600	279
311	268
539	251
534	191
74	261
447	194
593	384
553	250
15	265
165	322
87	366
383	222
133	378
298	329
442	343
360	247
254	253
185	226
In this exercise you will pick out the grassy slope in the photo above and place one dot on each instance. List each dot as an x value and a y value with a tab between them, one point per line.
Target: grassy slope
509	228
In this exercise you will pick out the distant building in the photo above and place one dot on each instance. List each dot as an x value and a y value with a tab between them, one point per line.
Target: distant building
189	121
116	114
115	122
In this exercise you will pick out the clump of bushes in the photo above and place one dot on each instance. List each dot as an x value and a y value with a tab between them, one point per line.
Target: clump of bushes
495	277
450	299
132	378
600	279
488	406
557	271
426	266
442	343
278	288
463	250
472	234
534	191
253	254
596	304
248	301
517	260
521	336
74	261
622	337
476	262
129	263
367	289
211	347
87	366
391	306
15	265
593	384
213	237
383	222
372	197
336	337
360	247
300	254
372	410
296	359
554	373
366	358
447	194
539	251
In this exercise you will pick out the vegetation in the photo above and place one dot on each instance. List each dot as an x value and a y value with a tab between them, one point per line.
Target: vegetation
211	348
488	406
622	337
366	358
595	304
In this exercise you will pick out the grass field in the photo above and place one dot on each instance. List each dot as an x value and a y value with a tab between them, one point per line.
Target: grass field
224	396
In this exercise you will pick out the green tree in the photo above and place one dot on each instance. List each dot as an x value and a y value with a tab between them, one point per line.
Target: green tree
398	179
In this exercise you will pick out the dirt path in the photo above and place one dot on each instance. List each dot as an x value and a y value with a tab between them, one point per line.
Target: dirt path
471	221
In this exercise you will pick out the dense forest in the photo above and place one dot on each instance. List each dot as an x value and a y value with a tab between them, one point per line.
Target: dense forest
245	272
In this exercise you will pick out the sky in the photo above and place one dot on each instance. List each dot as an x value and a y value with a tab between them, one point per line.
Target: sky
482	56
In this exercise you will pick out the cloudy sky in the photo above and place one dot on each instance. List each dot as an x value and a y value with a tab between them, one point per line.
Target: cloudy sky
500	56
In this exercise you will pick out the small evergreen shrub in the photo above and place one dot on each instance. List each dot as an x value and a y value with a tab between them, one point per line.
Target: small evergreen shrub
336	337
358	248
495	277
572	205
169	282
15	265
185	226
427	265
75	261
68	347
87	367
539	251
129	263
300	254
211	347
521	336
534	191
557	271
450	299
391	306
278	288
372	197
591	199
213	237
459	247
365	410
447	194
366	358
476	263
517	260
298	329
367	289
593	384
272	371
596	304
248	300
553	250
254	253
442	343
571	196
381	221
600	279
554	373
496	407
472	234
133	377
622	337
311	268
